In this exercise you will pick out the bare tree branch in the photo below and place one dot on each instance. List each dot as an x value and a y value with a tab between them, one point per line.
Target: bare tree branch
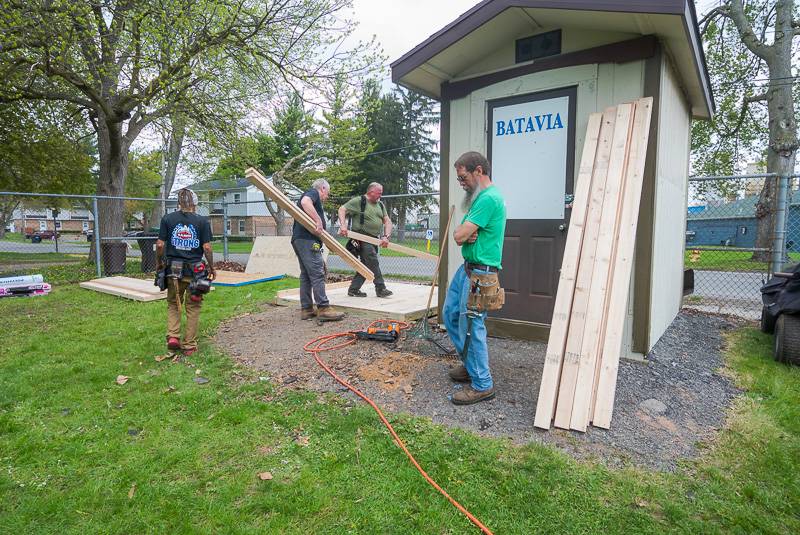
736	14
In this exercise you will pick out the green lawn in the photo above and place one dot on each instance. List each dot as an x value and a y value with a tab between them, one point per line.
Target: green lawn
23	258
728	260
233	247
14	236
163	454
246	247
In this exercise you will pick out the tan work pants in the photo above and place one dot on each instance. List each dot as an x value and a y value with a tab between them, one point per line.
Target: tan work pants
189	341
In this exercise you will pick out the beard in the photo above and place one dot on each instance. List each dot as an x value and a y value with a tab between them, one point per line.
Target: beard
470	196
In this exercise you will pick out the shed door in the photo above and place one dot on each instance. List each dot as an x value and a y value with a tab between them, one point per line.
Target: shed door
531	149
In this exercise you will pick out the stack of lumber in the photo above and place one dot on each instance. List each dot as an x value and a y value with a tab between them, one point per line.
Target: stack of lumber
586	334
303	218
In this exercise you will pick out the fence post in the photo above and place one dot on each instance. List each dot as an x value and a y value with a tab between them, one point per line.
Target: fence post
96	234
779	243
224	228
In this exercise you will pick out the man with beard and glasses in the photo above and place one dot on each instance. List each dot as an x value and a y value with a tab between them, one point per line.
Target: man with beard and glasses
480	236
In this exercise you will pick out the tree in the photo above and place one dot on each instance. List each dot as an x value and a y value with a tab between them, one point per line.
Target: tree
128	63
144	178
41	154
750	48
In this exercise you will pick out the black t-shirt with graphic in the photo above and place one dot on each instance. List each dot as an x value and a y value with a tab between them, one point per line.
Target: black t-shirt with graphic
184	233
298	230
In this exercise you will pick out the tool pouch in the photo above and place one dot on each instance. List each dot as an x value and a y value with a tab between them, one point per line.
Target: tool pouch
485	292
353	246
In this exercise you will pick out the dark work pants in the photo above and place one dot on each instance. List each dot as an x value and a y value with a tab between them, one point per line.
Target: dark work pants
369	257
312	273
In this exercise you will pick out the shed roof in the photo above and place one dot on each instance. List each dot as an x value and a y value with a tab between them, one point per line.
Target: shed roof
490	24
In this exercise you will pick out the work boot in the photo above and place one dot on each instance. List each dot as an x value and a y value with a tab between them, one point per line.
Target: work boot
173	343
468	395
383	292
327	313
459	374
355	292
307	313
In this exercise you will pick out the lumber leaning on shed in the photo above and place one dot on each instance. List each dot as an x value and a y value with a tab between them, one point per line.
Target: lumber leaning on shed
393	246
301	217
566	282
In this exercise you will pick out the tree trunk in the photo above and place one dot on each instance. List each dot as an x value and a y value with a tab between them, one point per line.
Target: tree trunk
783	141
172	155
113	152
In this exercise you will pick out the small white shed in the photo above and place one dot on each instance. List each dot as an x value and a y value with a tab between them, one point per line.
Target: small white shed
517	80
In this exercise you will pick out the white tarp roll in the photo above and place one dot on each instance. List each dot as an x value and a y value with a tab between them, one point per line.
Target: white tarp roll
21	280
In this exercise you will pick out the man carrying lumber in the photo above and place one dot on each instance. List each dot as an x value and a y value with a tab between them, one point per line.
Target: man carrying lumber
183	238
308	248
368	216
475	288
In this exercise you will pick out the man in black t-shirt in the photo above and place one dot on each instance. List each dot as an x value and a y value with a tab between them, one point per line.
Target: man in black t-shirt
308	248
183	238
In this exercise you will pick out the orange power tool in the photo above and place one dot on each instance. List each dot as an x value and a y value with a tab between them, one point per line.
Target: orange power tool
388	333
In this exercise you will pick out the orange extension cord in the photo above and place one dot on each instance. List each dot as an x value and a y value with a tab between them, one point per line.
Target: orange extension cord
318	345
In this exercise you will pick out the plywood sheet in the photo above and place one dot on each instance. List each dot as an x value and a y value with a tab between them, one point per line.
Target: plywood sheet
232	278
274	255
127	287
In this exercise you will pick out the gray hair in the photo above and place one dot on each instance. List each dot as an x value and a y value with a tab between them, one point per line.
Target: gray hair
374	185
321	183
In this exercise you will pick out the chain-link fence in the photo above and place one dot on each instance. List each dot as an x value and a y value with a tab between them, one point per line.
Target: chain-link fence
44	229
739	229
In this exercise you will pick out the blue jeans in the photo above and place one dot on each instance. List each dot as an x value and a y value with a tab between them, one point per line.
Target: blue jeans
455	319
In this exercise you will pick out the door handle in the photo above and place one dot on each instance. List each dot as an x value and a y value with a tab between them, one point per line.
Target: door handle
562	227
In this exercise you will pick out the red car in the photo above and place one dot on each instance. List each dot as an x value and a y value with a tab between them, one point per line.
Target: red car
40	235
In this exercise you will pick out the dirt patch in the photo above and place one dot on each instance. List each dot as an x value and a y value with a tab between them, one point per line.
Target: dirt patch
663	408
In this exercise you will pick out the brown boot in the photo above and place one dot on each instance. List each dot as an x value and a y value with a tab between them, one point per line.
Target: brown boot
468	395
307	313
459	374
327	313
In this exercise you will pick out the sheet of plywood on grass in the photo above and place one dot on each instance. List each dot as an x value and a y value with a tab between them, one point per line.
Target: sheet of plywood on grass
623	262
127	287
274	255
548	387
407	304
583	282
233	278
301	217
596	311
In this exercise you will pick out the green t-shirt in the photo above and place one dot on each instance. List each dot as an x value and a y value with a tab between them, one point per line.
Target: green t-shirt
488	212
373	216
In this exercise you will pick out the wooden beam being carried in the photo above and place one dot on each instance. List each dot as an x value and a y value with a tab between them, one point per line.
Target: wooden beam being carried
393	246
551	374
303	218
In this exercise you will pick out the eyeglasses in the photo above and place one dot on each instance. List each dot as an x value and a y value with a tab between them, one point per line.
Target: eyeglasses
461	178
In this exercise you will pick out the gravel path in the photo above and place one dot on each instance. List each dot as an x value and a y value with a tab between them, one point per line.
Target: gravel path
663	409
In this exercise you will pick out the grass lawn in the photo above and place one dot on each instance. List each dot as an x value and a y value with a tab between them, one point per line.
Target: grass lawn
14	236
732	260
419	245
24	258
163	454
233	246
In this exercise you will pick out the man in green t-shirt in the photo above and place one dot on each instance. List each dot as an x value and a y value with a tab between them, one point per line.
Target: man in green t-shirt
368	216
480	236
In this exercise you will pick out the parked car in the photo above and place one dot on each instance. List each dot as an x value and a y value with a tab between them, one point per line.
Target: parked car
40	235
781	313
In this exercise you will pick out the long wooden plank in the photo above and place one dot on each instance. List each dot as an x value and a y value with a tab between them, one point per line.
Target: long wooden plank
301	217
548	387
583	283
581	403
623	260
393	246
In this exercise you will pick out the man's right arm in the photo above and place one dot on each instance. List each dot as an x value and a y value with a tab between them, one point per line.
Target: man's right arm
342	221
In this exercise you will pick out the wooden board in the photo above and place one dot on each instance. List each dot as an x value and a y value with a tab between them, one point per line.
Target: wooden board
623	261
274	255
407	303
596	311
301	217
566	283
583	282
232	278
392	246
136	289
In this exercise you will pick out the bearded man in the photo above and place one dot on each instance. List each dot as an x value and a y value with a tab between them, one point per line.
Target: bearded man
480	236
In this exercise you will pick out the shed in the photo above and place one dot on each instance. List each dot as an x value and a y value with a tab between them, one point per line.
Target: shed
517	80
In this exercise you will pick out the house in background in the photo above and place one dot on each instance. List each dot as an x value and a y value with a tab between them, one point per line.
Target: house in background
75	220
248	215
734	224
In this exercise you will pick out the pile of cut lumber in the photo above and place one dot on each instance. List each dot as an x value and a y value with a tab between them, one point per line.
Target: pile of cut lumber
586	334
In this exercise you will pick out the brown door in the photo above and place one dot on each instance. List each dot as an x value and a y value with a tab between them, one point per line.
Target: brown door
531	149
